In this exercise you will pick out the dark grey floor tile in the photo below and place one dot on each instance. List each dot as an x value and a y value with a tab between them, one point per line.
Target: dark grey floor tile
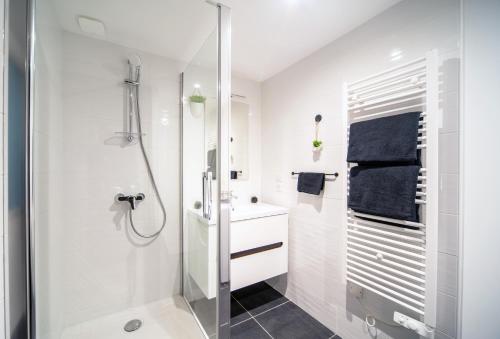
248	330
238	313
291	322
258	298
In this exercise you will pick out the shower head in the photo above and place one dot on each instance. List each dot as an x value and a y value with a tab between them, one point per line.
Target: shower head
134	64
134	60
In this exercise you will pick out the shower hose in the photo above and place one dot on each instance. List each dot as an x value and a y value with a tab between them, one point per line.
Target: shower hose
135	90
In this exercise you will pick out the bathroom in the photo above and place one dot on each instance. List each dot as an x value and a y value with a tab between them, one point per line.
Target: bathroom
194	169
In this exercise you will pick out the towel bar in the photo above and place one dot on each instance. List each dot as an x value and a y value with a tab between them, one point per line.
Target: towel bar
336	174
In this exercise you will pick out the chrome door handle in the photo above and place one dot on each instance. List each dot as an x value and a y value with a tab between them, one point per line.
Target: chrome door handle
207	194
204	194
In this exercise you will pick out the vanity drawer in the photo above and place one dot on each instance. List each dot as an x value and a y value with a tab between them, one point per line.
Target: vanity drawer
257	267
252	233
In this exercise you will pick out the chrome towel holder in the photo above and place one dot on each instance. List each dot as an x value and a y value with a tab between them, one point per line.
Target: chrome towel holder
336	174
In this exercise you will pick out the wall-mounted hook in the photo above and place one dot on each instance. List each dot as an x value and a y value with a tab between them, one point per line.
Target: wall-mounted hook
317	144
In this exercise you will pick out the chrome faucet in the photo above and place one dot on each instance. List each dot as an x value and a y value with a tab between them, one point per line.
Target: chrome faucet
132	199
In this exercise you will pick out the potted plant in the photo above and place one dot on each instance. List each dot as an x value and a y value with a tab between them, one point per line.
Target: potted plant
317	145
197	105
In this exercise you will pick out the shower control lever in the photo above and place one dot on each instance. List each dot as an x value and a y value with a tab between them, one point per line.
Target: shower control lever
130	198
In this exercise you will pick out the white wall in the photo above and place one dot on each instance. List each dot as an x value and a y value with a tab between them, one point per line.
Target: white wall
480	164
290	101
245	189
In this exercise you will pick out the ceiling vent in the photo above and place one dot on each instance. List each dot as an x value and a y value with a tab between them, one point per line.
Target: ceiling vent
91	26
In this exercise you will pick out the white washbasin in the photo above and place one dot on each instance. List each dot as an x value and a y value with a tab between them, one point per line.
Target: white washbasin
252	211
247	211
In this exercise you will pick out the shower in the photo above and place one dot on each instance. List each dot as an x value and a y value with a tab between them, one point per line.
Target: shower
134	113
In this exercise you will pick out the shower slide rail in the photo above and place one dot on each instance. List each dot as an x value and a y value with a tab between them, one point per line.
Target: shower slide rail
397	259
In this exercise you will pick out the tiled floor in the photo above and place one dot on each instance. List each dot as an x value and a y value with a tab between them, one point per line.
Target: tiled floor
259	311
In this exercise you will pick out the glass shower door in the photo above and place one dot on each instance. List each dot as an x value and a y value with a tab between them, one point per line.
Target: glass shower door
107	253
205	161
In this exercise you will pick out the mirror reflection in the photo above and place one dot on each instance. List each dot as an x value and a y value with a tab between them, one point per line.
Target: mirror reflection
239	140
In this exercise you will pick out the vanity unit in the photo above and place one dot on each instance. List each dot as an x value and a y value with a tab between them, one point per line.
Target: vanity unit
259	246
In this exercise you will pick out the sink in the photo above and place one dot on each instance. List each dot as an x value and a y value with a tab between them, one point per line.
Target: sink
252	211
244	212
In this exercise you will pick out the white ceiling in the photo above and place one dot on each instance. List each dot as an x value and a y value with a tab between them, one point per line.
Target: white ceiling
171	28
268	35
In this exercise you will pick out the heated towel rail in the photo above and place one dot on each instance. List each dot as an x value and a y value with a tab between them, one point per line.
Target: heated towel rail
397	259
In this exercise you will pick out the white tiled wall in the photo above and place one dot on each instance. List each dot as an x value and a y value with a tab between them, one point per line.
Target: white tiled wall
89	263
448	197
290	101
106	268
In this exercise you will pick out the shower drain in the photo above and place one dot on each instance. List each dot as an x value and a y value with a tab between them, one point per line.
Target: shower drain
132	325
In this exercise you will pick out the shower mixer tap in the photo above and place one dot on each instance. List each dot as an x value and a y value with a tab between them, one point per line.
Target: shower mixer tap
132	199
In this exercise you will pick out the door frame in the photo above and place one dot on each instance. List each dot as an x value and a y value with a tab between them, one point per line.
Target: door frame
223	172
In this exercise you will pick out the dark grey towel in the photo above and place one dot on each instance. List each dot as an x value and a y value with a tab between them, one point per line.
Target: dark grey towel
384	191
390	140
311	183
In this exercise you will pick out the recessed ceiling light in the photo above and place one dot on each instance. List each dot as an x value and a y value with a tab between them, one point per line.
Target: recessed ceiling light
91	26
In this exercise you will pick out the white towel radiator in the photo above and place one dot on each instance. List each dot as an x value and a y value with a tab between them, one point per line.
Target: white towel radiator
398	263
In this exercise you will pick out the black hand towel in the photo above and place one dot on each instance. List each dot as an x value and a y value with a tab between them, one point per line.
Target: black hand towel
311	183
391	140
234	175
384	191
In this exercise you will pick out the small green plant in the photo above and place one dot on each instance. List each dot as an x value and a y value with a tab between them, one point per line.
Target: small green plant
197	99
317	143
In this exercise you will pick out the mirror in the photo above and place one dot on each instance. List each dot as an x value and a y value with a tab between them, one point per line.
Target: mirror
211	136
239	140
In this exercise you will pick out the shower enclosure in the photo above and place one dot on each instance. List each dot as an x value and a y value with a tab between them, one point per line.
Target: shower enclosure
129	139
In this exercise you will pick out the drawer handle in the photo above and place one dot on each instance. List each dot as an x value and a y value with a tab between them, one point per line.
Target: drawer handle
256	250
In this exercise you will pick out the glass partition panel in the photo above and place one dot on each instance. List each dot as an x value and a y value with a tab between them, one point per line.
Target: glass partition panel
200	196
205	170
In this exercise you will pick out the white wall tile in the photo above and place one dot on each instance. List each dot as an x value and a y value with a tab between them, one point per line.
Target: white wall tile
449	105
447	314
449	71
448	153
448	193
448	274
448	233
